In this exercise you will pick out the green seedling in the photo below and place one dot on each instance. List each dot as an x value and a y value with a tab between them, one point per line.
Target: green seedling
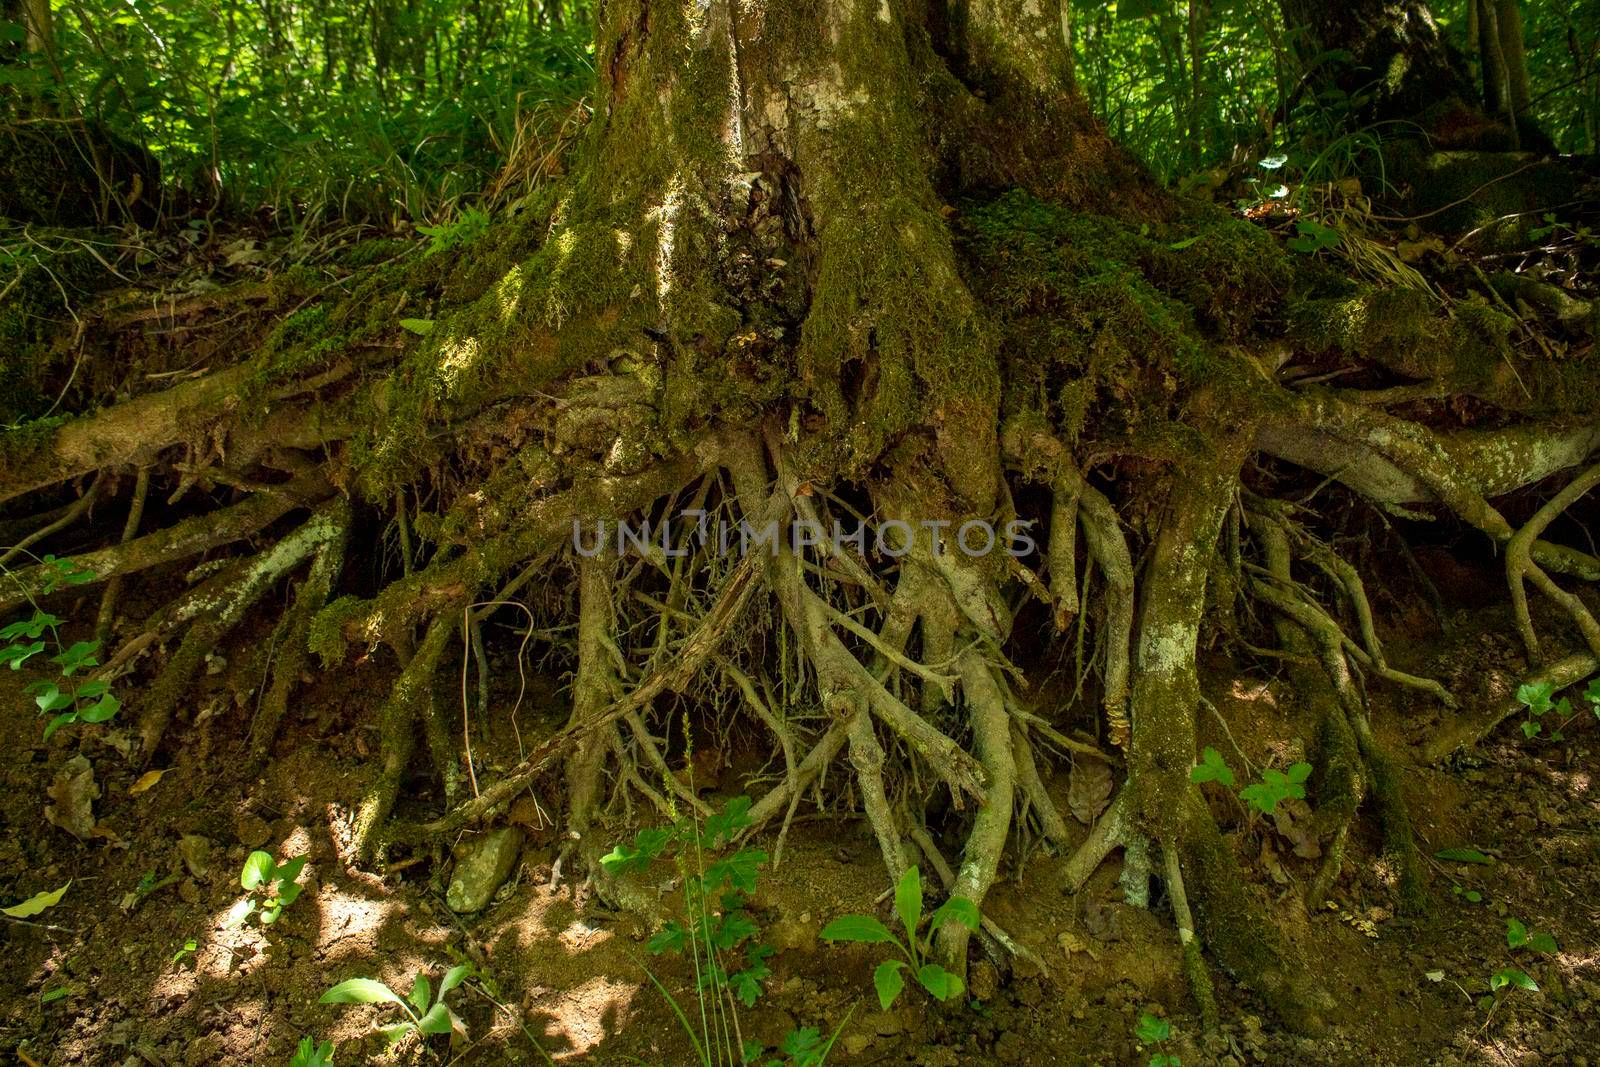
888	980
270	886
1519	936
717	896
311	1054
801	1047
1153	1031
1211	768
425	1014
1275	787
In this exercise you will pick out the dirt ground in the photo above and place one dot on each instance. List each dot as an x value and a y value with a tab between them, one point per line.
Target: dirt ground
105	977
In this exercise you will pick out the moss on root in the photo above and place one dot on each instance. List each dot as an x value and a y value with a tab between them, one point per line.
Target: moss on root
1100	316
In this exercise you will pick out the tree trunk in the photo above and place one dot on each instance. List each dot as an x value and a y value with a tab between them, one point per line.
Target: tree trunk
1400	64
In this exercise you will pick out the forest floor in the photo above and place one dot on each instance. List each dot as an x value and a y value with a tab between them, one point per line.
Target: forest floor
109	981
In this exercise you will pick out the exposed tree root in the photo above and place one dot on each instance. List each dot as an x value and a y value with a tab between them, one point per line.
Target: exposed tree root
221	616
292	651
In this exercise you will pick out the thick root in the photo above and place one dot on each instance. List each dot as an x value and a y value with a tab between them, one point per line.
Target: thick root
397	722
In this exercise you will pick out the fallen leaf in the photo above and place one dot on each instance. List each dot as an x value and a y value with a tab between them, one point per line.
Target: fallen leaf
146	780
36	903
74	793
1088	789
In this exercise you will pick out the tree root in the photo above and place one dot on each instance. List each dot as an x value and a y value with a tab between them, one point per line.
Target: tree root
222	615
290	662
1471	730
1331	646
179	541
1520	565
397	721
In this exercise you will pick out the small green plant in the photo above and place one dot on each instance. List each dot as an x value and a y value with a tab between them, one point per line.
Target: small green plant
888	980
64	699
1312	237
472	224
1277	786
271	887
311	1054
190	947
1153	1031
1211	768
717	898
1538	700
801	1047
425	1013
1519	936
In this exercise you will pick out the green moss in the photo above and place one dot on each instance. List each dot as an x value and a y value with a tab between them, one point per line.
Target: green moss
1098	315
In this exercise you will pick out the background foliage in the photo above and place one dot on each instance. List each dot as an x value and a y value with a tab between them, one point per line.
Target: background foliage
384	110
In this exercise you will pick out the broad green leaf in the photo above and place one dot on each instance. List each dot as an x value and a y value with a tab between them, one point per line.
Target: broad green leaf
14	656
258	868
888	981
58	722
50	698
1516	933
420	327
360	991
36	903
1462	854
436	1020
1592	693
1513	977
1179	246
670	938
454	977
1274	162
1536	696
939	982
799	1041
101	710
908	901
960	910
1152	1030
79	654
863	928
289	871
1299	772
394	1032
1543	942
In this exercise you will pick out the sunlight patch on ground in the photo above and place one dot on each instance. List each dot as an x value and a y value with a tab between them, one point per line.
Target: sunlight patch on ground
345	915
587	1014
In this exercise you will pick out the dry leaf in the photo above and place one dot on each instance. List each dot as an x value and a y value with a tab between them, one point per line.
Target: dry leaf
74	793
1269	860
1088	789
1294	822
146	780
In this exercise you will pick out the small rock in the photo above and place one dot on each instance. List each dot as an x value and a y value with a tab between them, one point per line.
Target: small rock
482	869
856	1044
188	891
196	853
251	831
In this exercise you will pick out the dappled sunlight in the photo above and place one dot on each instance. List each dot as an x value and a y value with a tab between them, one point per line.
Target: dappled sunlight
589	1013
456	357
